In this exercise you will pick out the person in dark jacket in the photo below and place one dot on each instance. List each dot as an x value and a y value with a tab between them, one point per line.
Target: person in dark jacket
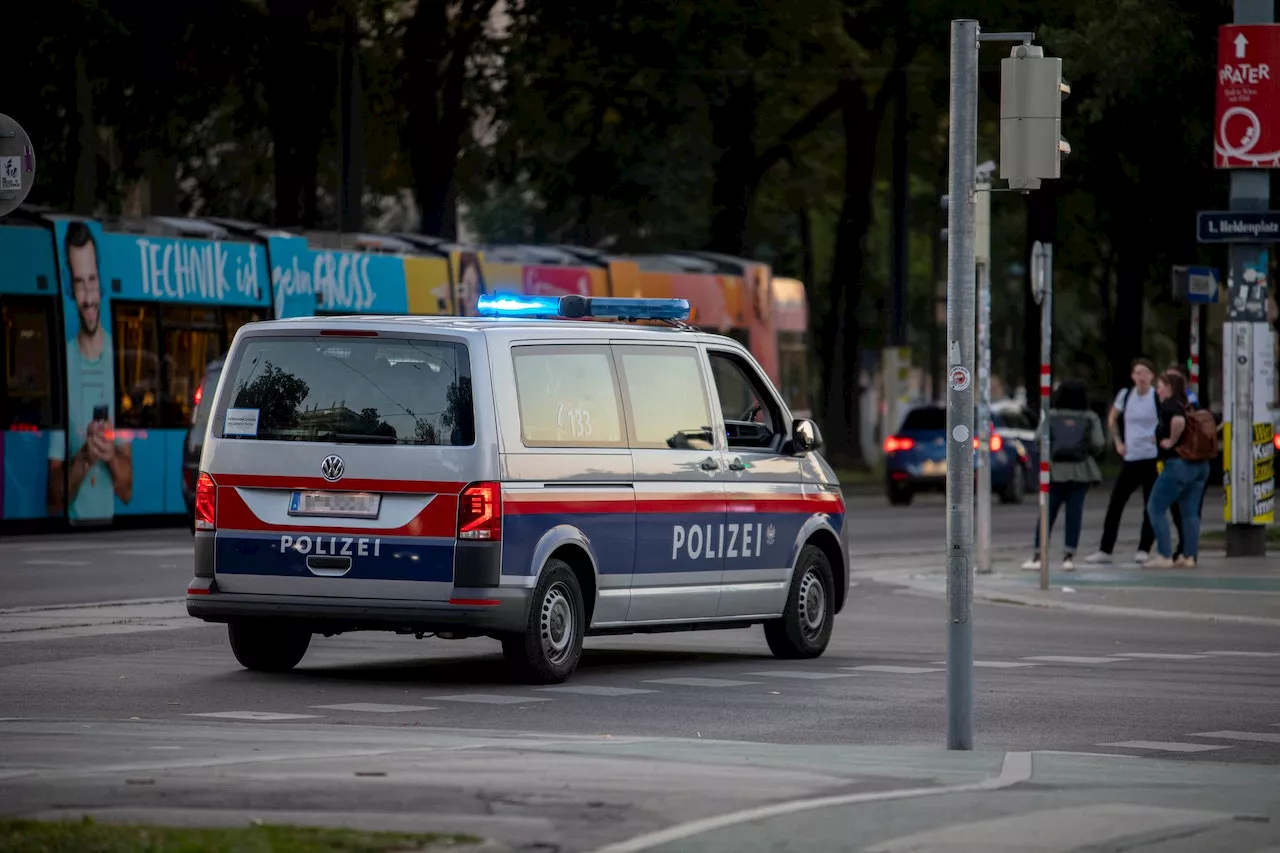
1076	439
1181	481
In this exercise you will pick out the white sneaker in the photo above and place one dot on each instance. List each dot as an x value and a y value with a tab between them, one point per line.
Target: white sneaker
1032	565
1068	564
1141	557
1102	558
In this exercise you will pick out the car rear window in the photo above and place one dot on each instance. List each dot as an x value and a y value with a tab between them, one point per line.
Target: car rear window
383	391
925	419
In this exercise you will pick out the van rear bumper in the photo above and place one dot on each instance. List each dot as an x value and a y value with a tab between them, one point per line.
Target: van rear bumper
326	614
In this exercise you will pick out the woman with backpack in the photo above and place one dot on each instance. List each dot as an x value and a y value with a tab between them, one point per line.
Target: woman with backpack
1187	439
1076	438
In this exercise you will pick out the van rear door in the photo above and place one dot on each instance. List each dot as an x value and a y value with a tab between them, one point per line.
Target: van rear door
338	460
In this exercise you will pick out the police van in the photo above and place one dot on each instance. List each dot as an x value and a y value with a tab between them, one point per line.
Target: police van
553	469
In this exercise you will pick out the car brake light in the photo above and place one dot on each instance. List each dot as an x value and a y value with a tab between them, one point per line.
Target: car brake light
895	443
997	443
199	394
1276	440
480	512
206	505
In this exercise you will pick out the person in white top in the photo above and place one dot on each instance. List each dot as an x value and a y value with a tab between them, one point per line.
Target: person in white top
1132	424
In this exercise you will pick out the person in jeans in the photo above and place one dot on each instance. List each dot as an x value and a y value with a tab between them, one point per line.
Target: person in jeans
1075	439
1181	481
1136	443
1175	510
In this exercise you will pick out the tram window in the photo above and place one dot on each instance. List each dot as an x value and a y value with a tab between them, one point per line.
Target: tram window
793	359
138	365
31	400
192	339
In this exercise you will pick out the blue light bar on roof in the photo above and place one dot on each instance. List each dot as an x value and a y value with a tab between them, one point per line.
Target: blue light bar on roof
515	305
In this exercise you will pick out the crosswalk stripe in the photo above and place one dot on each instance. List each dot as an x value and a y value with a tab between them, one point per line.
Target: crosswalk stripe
1073	659
896	670
489	699
700	682
373	708
997	664
255	716
1259	737
1159	656
1246	654
803	675
595	690
1165	746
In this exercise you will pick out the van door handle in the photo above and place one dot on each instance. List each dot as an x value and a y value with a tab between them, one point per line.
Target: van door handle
709	464
333	567
736	465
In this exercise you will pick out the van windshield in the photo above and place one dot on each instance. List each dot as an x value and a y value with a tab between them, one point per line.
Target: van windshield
357	390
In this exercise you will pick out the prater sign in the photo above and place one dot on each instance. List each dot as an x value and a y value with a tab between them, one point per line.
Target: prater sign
1247	117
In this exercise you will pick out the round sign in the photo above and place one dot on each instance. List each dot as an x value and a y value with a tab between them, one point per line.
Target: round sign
960	433
960	377
17	165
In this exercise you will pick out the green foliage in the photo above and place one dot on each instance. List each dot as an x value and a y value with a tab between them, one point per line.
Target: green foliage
86	836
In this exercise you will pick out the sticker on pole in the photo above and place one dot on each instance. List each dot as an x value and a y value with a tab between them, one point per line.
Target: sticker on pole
960	378
17	165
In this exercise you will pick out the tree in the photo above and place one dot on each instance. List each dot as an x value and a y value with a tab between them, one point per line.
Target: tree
275	394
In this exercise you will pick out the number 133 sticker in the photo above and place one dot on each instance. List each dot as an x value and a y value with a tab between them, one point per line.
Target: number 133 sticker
574	422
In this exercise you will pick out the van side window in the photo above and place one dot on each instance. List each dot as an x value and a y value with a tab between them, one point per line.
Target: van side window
666	397
567	396
751	418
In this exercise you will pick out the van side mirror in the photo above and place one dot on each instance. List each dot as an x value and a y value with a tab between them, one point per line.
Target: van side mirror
806	437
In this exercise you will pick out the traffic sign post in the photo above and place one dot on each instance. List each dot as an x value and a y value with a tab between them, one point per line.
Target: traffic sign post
1247	141
1042	289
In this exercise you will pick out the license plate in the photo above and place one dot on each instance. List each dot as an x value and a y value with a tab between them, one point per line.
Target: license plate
932	468
335	504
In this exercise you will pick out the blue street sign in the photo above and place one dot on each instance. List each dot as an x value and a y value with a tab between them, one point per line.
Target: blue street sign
1238	226
1202	285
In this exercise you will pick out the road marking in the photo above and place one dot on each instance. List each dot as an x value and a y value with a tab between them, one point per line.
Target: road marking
801	674
700	682
595	690
256	716
1071	659
1015	770
1165	746
896	670
1159	656
1259	737
55	562
1246	654
997	664
374	708
153	552
489	699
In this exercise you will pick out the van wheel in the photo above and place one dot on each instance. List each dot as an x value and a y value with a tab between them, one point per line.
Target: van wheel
805	627
268	646
548	650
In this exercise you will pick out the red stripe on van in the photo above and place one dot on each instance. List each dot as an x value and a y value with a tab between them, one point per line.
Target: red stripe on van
438	518
350	484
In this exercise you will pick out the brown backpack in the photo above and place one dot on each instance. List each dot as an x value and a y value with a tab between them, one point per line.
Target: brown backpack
1199	442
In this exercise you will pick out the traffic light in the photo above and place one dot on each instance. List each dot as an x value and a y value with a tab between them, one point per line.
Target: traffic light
1031	95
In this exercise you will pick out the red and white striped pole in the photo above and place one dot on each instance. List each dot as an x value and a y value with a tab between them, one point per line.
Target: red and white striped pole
1042	282
1195	350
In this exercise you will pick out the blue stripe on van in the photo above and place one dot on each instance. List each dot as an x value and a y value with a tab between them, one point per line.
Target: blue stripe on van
398	558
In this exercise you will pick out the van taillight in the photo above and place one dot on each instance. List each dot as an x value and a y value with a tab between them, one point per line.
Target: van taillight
480	512
206	506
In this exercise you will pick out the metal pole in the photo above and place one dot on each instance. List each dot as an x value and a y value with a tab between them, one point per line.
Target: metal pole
1045	260
962	152
1195	350
984	418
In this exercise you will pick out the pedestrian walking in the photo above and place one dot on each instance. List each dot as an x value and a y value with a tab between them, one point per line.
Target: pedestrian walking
1188	439
1175	510
1132	425
1075	439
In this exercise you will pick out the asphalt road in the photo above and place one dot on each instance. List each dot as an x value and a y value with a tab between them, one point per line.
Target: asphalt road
393	732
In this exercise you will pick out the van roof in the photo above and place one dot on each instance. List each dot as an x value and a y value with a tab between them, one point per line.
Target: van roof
481	326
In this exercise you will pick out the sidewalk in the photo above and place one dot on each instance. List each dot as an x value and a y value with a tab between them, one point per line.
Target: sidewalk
1241	590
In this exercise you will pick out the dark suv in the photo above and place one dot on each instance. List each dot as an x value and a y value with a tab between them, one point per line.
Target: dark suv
195	437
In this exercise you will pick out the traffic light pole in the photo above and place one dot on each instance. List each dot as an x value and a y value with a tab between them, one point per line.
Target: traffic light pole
982	252
1026	131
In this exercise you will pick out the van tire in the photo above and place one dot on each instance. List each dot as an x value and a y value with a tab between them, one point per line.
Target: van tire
268	646
805	627
557	602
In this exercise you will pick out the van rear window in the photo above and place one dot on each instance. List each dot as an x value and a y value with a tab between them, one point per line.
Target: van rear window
382	391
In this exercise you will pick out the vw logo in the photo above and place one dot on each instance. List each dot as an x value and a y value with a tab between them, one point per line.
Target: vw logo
331	468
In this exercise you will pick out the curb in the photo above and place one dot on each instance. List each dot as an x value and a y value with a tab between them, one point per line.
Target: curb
1013	599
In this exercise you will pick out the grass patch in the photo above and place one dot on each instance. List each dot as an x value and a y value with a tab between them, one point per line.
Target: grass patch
88	836
870	476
